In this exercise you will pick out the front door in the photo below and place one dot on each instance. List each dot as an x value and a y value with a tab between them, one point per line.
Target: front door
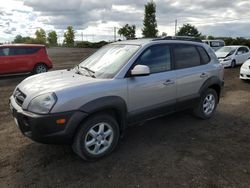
154	94
240	55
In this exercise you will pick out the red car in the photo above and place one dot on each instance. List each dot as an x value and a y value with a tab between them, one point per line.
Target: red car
24	58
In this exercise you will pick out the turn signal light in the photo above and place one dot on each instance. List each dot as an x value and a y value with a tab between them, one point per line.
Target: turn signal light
61	121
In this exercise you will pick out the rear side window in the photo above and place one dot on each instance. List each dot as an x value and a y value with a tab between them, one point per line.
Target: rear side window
19	51
204	56
25	50
157	58
186	56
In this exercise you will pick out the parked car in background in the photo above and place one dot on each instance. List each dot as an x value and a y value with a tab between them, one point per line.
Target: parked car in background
24	58
214	44
229	56
122	83
245	71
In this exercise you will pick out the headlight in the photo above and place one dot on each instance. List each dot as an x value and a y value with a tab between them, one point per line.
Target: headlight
42	104
227	58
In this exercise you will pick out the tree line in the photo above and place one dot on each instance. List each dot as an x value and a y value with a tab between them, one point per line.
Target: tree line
51	39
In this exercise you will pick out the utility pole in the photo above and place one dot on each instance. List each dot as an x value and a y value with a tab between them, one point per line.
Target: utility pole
114	34
82	36
175	27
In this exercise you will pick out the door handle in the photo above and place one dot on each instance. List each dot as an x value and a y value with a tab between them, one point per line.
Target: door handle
168	82
204	75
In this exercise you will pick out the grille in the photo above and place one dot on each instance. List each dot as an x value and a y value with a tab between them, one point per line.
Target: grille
19	97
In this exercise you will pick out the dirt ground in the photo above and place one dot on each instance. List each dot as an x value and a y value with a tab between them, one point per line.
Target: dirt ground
173	151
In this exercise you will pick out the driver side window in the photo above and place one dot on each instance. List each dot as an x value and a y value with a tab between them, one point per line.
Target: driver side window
240	51
157	58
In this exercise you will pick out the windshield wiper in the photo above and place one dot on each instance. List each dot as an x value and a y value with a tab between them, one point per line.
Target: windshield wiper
91	72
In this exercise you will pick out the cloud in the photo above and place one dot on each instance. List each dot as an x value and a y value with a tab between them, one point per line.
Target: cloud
95	17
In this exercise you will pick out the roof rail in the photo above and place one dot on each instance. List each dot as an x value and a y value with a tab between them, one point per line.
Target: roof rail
184	38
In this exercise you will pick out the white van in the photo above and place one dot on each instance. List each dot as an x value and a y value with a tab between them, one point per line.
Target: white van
214	44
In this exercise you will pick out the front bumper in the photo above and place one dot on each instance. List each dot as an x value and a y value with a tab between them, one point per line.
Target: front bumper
245	74
225	63
43	128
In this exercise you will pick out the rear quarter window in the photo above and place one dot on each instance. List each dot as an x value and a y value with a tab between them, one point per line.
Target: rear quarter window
33	50
204	55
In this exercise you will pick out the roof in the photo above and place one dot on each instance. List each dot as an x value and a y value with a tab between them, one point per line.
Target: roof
214	40
235	46
135	41
22	45
167	39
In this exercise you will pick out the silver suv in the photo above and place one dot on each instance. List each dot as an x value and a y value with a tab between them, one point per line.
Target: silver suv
123	83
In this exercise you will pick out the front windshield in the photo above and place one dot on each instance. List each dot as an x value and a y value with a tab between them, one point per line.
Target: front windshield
227	49
106	62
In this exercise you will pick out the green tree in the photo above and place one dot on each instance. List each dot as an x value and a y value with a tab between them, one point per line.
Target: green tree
164	34
203	37
69	37
210	37
25	40
127	31
18	39
52	38
188	30
149	29
40	36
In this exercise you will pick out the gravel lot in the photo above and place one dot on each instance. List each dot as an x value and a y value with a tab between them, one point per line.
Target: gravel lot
173	151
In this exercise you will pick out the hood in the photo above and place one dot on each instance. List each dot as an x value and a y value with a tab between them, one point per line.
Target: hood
222	54
53	81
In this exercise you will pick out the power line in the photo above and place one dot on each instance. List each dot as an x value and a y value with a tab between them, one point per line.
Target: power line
216	21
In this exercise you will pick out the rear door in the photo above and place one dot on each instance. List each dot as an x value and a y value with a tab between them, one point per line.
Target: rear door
22	59
192	70
156	93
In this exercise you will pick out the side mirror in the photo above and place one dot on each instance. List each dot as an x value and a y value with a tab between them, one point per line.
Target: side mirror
140	70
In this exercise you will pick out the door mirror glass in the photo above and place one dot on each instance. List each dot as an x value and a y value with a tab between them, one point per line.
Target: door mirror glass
140	70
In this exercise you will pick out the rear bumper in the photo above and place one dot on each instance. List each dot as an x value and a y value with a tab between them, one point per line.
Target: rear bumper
43	128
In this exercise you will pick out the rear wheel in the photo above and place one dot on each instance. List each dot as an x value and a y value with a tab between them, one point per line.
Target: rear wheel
97	137
40	68
207	104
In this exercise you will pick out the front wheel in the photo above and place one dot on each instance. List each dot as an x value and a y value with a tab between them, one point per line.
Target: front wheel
233	64
97	137
207	104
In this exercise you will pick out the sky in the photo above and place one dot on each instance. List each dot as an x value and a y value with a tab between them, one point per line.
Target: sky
95	20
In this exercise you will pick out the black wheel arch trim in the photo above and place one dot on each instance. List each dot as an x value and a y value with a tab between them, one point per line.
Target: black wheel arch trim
212	81
108	103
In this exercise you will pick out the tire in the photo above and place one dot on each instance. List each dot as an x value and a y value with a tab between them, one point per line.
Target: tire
207	104
40	68
233	64
91	142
